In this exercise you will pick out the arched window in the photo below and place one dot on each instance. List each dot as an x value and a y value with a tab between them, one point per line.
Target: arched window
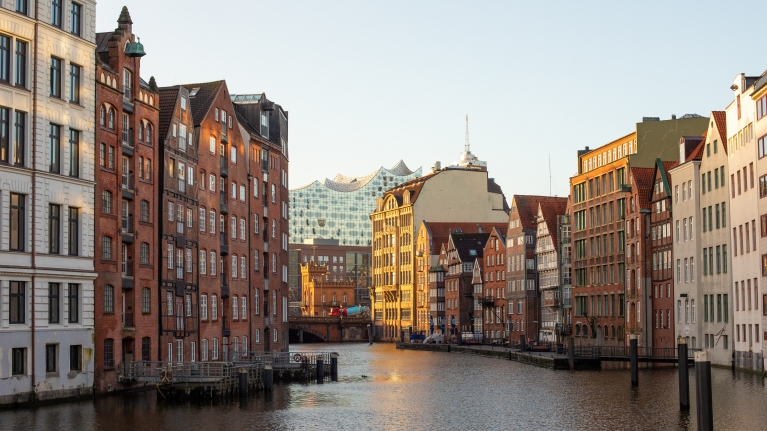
102	116
111	119
605	334
148	133
257	304
585	330
140	130
109	299
258	335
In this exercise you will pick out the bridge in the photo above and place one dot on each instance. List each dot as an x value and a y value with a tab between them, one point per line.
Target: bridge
307	329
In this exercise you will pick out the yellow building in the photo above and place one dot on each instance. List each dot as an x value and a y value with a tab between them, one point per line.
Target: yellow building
320	295
461	193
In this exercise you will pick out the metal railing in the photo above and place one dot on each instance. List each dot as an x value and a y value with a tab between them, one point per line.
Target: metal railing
127	320
624	352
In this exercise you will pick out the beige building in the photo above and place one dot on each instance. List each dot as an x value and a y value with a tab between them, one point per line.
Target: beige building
744	199
320	295
759	95
455	194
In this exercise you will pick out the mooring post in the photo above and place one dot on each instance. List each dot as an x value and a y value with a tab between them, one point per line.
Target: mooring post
571	353
370	334
334	367
634	357
522	343
268	377
243	382
300	335
684	376
320	370
703	394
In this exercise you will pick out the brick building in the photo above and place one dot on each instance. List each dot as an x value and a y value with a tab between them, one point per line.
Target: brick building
521	273
126	243
264	128
179	222
660	322
319	294
431	237
463	251
489	288
549	253
638	262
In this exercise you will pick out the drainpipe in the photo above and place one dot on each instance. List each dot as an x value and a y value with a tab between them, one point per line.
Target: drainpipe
251	317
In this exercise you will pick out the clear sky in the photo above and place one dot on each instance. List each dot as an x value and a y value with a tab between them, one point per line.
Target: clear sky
368	83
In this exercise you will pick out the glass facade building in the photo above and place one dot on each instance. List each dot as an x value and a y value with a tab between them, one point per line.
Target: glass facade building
340	208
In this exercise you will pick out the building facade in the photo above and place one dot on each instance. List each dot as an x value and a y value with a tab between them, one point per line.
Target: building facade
490	289
759	98
319	294
451	194
180	216
47	195
548	260
600	193
746	257
660	325
345	263
638	256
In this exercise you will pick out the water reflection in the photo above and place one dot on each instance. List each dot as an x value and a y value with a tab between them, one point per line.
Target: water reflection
383	388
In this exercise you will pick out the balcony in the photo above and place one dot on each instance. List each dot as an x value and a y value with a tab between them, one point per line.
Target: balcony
487	301
224	244
127	275
224	285
226	326
223	203
127	149
127	320
334	304
128	186
224	166
625	188
127	229
556	302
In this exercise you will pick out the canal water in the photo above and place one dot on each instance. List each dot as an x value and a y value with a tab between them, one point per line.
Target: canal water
380	387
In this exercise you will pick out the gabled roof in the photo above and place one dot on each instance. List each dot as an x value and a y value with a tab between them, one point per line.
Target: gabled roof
203	98
720	119
413	187
168	98
469	246
642	184
440	231
527	208
550	209
661	171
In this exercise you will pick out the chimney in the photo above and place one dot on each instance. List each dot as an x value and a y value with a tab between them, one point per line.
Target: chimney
437	166
673	116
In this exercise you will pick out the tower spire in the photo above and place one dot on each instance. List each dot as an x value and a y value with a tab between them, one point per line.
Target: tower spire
467	134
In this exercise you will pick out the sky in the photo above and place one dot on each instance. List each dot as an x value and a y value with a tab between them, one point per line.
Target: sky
369	83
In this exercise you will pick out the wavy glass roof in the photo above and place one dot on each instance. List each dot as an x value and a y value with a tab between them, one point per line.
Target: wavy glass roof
339	208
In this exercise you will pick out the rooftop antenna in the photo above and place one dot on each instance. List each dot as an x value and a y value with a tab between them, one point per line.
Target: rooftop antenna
549	174
467	134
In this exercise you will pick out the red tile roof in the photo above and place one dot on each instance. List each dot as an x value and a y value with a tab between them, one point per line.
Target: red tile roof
720	118
697	153
440	231
550	209
642	183
527	208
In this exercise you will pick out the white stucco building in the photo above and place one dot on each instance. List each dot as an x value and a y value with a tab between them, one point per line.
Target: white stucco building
746	259
46	199
759	97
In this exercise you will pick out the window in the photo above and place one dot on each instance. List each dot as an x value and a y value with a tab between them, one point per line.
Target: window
242	229
244	307
109	353
75	357
144	211
256	303
106	247
21	7
203	262
55	84
54	228
204	307
127	84
74	231
74	83
5	133
21	63
146	300
109	299
235	307
73	302
17	227
144	253
76	19
74	153
54	303
56	13
54	148
214	307
51	358
18	362
17	302
5	58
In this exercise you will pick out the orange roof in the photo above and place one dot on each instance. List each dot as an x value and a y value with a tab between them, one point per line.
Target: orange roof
720	118
642	184
527	208
550	210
